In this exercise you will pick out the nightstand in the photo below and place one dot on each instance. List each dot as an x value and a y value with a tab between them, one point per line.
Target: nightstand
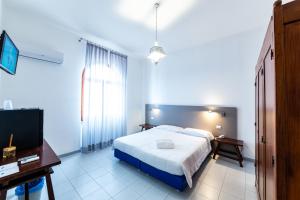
236	144
146	126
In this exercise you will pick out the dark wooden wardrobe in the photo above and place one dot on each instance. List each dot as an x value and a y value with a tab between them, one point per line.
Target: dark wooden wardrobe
277	91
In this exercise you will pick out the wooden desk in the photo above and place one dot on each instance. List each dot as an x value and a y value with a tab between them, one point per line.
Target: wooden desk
30	171
146	126
235	155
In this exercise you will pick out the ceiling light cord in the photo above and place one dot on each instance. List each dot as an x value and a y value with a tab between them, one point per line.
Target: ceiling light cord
156	7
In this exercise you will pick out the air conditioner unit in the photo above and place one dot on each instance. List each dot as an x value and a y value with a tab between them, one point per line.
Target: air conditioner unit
42	54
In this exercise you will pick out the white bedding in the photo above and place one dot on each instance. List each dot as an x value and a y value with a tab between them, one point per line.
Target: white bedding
184	159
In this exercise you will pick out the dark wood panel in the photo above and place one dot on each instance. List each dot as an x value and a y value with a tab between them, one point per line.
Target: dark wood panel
195	117
261	134
292	76
30	171
281	115
47	160
270	127
266	45
291	12
256	131
282	106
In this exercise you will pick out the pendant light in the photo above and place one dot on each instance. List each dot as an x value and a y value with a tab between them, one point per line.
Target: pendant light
156	52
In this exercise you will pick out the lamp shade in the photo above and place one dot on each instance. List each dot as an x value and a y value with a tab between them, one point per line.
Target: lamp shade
156	53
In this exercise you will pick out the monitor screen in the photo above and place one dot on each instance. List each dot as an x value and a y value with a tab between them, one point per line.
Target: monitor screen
9	54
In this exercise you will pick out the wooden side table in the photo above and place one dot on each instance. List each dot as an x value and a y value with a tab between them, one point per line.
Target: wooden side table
146	126
235	155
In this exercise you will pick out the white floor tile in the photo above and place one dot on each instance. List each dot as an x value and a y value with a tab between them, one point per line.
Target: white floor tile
90	165
114	188
140	186
234	189
68	195
179	196
213	181
227	196
126	194
99	194
58	176
100	176
62	188
72	171
199	197
249	195
44	195
98	173
154	193
106	179
87	188
250	182
81	180
208	191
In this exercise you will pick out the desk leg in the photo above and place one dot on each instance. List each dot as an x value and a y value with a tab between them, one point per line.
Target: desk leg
49	187
26	191
216	150
3	194
240	157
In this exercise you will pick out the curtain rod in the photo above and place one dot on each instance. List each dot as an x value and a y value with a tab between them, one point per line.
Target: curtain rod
103	47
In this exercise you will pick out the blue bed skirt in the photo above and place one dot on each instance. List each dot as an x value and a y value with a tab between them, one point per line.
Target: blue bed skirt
178	182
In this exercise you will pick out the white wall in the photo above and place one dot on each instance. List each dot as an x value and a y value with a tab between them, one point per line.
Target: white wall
57	88
135	95
1	15
218	73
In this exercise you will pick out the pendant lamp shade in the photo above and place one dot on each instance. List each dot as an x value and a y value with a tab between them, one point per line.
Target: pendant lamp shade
156	52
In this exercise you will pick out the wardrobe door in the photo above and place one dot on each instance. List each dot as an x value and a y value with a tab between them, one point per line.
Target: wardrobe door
292	129
270	132
256	131
261	134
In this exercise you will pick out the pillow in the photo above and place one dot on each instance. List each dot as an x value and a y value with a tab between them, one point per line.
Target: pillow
165	144
198	133
170	128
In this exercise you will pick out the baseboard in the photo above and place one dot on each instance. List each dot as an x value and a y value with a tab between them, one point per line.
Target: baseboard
69	154
249	159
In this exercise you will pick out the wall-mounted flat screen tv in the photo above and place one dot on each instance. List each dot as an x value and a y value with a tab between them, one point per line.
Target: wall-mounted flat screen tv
9	54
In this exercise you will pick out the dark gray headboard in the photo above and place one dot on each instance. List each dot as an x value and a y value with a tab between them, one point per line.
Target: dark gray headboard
202	117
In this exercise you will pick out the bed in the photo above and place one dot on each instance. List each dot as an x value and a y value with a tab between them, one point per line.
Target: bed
173	166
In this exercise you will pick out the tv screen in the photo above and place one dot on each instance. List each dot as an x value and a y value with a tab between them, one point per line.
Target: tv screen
9	54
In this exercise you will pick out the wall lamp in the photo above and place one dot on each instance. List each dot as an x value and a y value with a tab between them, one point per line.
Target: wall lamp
155	111
221	113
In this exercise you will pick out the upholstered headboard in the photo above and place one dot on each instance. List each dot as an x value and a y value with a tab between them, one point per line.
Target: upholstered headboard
202	117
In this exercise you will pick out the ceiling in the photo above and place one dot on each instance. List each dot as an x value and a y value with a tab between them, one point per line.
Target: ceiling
130	23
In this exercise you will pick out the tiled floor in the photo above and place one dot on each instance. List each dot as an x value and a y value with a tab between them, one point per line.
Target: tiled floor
99	176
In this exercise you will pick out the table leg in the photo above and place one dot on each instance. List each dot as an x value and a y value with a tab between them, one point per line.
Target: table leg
49	187
240	157
216	150
26	191
3	194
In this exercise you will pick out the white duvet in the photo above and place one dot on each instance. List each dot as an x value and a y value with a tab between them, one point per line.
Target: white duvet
185	159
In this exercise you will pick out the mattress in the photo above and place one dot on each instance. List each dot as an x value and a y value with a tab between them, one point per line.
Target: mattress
184	159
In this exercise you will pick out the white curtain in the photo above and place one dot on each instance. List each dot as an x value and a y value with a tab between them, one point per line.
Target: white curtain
104	98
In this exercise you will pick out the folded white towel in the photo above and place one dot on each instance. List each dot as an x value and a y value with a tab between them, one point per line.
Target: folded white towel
165	144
